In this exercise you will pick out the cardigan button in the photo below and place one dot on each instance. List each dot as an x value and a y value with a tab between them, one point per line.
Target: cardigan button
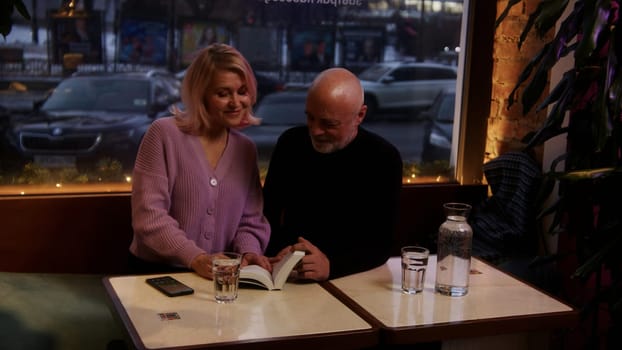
213	182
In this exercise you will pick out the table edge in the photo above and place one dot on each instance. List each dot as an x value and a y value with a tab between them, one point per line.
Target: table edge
468	328
350	339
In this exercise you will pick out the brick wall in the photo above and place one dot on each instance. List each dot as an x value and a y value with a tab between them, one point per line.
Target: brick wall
506	127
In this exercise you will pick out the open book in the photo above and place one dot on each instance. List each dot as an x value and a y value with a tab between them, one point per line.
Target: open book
257	275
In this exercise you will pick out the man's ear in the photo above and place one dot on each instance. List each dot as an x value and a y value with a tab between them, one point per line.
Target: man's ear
362	113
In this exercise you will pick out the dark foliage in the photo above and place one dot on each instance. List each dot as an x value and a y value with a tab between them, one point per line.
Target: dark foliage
6	13
589	97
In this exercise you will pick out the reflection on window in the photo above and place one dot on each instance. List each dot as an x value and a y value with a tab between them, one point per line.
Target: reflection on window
84	136
85	94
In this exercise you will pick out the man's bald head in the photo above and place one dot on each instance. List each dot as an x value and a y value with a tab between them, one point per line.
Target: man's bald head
338	86
334	109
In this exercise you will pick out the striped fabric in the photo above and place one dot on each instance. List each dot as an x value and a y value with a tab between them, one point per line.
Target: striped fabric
504	225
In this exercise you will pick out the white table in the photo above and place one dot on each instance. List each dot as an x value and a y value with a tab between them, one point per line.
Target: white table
300	315
496	304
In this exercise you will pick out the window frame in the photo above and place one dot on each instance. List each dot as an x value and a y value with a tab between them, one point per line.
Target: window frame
473	93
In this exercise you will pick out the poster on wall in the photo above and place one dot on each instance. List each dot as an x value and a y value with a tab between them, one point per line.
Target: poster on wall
311	50
196	35
143	42
362	47
260	46
77	35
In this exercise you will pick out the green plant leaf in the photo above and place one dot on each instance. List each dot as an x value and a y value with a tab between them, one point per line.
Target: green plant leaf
561	96
526	73
587	174
529	24
551	54
595	261
614	96
593	27
21	8
6	13
535	87
560	90
505	11
601	129
551	128
549	14
544	60
568	30
543	18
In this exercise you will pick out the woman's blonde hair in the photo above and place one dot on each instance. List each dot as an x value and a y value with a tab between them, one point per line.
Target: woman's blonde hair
194	118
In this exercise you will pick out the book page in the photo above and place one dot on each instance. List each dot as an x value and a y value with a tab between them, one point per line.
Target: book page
281	270
257	275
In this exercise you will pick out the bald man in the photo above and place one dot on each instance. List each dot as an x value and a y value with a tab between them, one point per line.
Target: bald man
332	188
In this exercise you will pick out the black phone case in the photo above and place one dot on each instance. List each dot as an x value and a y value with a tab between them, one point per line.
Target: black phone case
169	286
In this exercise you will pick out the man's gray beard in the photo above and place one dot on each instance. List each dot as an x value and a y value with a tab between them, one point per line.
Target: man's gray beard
323	147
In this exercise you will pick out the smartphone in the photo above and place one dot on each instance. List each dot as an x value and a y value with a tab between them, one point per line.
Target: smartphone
169	286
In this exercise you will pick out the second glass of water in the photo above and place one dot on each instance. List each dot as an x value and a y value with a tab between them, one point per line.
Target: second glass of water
414	264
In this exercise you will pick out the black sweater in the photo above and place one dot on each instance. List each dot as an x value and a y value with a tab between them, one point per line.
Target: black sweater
345	202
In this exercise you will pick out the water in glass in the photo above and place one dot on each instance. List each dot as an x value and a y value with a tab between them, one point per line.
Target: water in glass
414	264
226	278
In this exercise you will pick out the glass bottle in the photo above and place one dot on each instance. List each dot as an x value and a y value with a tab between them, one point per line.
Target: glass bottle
453	263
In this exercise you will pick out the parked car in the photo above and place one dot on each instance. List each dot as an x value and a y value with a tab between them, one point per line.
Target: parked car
278	112
18	94
88	117
404	85
438	129
267	84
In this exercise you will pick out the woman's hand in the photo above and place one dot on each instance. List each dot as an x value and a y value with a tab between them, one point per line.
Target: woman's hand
256	259
202	265
281	254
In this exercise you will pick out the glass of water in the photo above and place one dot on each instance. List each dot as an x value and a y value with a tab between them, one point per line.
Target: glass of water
414	264
226	269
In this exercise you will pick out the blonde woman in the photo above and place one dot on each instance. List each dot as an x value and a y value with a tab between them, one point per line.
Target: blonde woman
196	188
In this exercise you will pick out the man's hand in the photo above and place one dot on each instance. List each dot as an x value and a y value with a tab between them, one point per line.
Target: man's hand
314	265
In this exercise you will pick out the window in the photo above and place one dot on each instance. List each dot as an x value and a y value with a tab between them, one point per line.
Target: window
430	73
408	45
404	74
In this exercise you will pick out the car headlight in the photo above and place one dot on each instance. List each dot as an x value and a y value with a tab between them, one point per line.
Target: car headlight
439	140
